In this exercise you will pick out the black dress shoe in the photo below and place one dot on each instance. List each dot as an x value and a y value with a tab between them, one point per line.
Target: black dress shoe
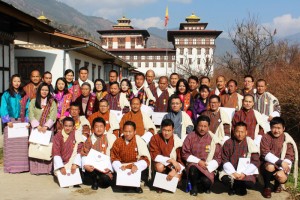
194	192
208	191
95	185
139	190
76	186
231	192
242	192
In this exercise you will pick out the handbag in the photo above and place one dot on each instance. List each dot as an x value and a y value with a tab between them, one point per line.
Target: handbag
38	151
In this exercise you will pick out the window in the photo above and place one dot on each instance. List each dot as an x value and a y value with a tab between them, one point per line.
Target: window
186	41
77	64
203	41
150	57
121	43
212	41
190	61
181	51
25	66
135	57
104	41
170	65
86	64
154	64
176	41
99	71
198	61
127	57
162	64
173	57
157	57
146	64
190	50
139	41
181	61
139	65
207	51
194	41
142	57
93	72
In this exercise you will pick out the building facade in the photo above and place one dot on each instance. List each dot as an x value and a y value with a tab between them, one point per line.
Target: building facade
193	47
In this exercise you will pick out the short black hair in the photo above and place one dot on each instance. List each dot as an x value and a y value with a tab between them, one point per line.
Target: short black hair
129	123
174	74
248	95
98	120
277	120
240	124
114	83
261	80
167	122
234	81
87	84
174	96
139	74
76	104
204	77
69	119
113	71
203	87
83	68
46	72
215	97
104	100
202	118
103	85
193	78
249	76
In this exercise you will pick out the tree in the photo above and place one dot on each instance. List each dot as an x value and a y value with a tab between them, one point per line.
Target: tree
253	43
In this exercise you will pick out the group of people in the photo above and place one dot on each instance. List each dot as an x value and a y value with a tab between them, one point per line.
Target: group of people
196	139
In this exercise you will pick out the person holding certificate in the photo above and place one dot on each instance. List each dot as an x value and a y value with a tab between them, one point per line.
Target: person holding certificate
102	142
202	151
42	116
240	159
66	148
130	152
165	149
14	109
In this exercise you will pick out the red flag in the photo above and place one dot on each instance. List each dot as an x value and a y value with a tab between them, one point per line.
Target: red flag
167	16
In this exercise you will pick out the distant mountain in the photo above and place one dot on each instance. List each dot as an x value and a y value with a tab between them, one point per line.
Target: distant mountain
295	38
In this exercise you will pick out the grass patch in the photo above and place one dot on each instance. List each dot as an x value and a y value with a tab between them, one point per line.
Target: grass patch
295	192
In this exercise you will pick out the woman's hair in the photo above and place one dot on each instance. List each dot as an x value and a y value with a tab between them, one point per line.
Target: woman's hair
39	97
128	83
11	90
66	91
68	71
185	84
103	85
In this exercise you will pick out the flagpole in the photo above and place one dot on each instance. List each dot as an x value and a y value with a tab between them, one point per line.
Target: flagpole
166	25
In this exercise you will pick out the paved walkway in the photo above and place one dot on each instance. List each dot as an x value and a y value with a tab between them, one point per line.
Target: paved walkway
25	186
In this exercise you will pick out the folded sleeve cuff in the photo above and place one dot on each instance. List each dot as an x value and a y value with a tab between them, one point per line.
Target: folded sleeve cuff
250	170
162	159
193	159
228	168
34	123
58	163
275	114
49	123
213	165
5	119
181	168
271	158
116	165
77	160
141	165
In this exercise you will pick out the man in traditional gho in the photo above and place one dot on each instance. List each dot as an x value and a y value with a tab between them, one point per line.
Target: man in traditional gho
193	82
165	151
239	146
174	78
251	117
150	76
183	123
248	86
219	121
31	87
202	152
232	99
144	125
113	77
116	99
112	125
83	78
278	153
142	92
130	152
221	86
100	141
161	95
265	102
66	148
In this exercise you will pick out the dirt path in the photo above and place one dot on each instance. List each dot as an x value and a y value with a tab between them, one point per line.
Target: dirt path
25	186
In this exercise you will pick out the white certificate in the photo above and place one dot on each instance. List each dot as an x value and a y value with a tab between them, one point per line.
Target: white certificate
157	117
229	111
40	137
69	179
98	160
118	114
160	181
266	123
126	178
18	130
243	164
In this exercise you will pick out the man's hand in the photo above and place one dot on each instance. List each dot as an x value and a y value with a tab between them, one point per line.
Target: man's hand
106	171
73	168
63	171
236	175
171	174
89	168
270	118
123	167
134	169
285	166
241	177
175	164
42	129
202	164
10	124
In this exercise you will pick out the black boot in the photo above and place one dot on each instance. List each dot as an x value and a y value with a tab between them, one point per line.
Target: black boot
95	185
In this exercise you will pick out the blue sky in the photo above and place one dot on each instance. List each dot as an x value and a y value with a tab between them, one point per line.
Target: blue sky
219	14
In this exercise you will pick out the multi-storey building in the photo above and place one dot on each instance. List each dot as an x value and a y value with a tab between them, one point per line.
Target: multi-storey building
193	47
